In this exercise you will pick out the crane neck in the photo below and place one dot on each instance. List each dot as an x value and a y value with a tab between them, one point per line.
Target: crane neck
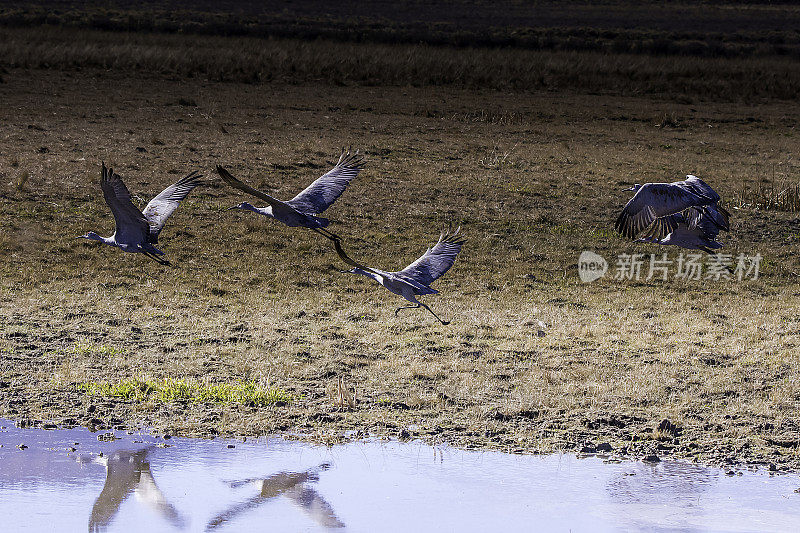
366	273
266	211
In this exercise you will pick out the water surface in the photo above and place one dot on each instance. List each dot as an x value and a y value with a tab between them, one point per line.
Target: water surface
146	483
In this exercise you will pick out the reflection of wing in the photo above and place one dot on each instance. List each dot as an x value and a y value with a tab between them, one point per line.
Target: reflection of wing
122	475
277	483
148	492
289	484
314	505
128	473
235	510
272	486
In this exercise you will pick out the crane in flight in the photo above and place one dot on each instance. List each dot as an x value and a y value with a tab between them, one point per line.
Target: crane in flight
415	279
683	213
137	231
313	200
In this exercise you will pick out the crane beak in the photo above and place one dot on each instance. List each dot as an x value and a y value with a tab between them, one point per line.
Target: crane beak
232	208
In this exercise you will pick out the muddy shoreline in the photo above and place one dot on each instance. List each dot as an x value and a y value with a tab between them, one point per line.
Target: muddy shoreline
618	436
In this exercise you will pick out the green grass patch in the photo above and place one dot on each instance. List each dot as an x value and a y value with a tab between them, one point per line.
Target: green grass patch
128	389
179	390
91	348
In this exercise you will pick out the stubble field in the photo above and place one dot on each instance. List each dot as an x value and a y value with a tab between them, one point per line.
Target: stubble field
534	360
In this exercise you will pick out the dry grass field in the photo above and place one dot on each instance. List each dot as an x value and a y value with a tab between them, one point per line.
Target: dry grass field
252	328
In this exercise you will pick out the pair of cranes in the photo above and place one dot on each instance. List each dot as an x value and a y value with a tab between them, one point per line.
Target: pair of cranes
684	213
137	231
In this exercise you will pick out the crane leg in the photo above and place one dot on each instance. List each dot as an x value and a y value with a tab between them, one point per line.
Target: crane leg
713	253
152	258
157	259
444	323
407	307
327	234
420	304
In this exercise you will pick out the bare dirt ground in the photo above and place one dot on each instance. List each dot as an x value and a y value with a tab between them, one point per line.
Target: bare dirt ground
533	179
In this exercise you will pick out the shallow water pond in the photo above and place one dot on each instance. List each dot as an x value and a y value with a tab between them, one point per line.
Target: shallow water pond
68	480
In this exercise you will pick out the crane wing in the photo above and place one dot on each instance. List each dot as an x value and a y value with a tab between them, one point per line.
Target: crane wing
704	221
653	201
700	222
718	216
661	227
160	208
132	226
688	236
698	187
235	183
318	196
435	261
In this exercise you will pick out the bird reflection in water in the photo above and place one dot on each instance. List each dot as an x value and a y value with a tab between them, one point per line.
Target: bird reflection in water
129	472
293	485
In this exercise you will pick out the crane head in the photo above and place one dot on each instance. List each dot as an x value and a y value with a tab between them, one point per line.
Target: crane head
634	187
244	205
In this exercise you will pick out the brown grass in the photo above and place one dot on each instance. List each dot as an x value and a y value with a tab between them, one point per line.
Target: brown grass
250	300
683	78
778	195
730	29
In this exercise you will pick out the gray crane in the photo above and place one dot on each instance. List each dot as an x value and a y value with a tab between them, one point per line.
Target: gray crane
415	279
313	200
683	213
137	231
